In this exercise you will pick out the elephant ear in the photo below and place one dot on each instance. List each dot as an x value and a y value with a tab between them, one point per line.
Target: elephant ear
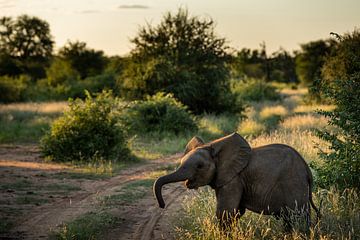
231	154
193	143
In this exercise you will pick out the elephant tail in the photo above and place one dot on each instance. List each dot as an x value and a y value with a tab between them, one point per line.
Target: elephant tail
317	210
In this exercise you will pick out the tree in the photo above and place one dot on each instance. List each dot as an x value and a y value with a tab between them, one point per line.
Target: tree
310	60
61	72
88	62
28	40
182	55
341	165
344	60
248	64
283	67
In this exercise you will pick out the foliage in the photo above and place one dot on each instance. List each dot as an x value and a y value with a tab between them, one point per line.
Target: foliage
27	39
283	67
280	66
88	62
311	59
309	62
255	90
91	225
344	60
60	72
87	131
159	113
182	55
341	85
12	88
9	65
341	165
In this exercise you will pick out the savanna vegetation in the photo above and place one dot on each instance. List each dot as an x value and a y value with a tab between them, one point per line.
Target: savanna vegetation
181	80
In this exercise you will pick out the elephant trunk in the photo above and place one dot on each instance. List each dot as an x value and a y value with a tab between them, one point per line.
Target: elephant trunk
177	176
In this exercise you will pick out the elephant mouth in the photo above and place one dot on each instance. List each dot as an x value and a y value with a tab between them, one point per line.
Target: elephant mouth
190	185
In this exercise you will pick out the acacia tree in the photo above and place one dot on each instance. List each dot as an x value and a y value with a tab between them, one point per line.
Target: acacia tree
182	55
28	40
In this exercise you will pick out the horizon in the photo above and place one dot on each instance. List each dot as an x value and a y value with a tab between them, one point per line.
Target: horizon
109	25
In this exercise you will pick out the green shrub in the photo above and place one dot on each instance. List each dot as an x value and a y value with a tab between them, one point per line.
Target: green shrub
12	89
341	85
255	90
89	130
159	113
181	55
341	164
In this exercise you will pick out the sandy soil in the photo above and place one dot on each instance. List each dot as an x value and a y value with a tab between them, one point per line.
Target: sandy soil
41	199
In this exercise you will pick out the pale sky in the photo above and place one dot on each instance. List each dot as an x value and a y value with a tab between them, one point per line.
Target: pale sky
109	24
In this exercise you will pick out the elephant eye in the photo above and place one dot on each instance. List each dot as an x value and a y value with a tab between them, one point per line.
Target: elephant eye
199	165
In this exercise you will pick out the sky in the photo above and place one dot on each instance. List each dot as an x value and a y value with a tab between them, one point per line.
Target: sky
109	24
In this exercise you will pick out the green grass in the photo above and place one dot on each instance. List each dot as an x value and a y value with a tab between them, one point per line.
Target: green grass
88	226
129	193
60	187
19	185
27	122
80	175
35	200
5	225
137	189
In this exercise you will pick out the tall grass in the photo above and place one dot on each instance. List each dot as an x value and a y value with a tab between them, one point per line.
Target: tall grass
27	122
305	142
340	220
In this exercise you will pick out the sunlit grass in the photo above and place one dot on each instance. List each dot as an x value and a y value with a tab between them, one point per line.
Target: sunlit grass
304	142
43	107
218	125
27	122
270	111
250	127
313	108
304	122
340	219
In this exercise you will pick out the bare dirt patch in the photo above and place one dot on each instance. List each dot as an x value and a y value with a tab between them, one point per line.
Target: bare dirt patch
35	198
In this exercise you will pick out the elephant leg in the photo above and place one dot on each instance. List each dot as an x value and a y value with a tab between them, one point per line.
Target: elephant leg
228	200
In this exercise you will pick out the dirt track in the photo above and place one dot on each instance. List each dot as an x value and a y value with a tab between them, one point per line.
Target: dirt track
141	219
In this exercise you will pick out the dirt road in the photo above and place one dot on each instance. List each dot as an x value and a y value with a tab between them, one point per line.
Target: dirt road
37	197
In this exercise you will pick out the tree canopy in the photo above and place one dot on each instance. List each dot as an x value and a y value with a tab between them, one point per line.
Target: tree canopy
182	55
88	62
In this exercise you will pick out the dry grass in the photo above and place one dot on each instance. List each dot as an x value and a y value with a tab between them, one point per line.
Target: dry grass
340	220
313	108
250	127
304	142
270	111
304	122
44	107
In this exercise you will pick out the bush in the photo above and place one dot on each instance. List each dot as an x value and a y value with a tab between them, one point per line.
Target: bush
182	56
159	113
89	130
341	165
341	84
255	90
12	89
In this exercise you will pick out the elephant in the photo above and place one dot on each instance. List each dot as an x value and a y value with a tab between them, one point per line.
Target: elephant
272	179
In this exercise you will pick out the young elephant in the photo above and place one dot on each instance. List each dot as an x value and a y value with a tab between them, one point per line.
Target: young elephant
271	179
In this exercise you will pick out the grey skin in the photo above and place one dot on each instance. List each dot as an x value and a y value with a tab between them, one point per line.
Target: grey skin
271	179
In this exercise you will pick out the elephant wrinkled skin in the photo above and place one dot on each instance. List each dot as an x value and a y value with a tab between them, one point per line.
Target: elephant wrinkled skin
271	179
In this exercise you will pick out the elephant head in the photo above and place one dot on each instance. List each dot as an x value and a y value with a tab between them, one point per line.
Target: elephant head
215	163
